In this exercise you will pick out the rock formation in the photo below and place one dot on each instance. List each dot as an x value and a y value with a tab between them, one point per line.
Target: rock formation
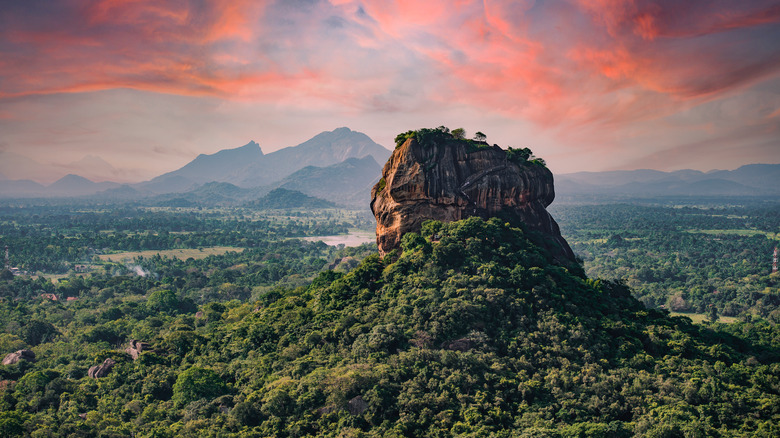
357	405
135	348
449	179
16	356
102	370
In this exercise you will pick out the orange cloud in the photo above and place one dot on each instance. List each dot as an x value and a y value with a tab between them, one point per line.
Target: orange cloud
167	47
586	62
631	60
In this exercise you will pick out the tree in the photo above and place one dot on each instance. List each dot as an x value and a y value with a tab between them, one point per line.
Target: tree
37	332
162	301
518	155
197	383
479	136
459	133
12	423
712	313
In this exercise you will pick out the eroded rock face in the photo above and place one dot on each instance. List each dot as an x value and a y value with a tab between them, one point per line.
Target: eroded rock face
448	181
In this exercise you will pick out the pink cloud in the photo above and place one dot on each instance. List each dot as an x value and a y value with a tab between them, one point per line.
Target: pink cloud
585	63
625	61
144	44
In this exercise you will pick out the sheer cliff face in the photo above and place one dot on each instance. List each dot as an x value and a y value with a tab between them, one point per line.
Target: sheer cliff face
446	182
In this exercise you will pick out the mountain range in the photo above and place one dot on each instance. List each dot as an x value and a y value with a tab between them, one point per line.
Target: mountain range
68	185
337	166
248	167
342	165
748	180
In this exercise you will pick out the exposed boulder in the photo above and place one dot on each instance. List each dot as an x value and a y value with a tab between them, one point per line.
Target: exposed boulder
102	370
462	344
448	179
135	348
16	356
357	405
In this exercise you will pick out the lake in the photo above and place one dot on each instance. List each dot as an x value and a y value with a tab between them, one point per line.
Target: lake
353	238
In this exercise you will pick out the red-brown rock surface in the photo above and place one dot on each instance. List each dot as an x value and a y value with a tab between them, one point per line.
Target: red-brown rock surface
449	180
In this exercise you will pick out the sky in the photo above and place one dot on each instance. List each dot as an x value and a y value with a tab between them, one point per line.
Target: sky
125	90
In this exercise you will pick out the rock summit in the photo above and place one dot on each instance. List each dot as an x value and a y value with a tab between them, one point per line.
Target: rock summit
435	175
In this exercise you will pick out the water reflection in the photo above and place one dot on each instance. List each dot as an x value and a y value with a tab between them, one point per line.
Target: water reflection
354	238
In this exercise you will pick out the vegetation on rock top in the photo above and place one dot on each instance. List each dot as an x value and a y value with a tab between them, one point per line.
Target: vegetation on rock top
443	135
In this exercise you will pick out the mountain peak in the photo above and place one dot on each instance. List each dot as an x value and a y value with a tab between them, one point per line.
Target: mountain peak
250	148
251	145
246	166
70	179
324	149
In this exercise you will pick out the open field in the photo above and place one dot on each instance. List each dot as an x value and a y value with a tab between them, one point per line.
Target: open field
737	232
182	254
699	318
55	278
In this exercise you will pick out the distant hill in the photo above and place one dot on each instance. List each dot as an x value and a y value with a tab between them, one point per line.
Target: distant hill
345	183
20	188
749	180
248	167
123	192
74	185
220	166
324	149
168	183
764	176
283	198
67	186
213	194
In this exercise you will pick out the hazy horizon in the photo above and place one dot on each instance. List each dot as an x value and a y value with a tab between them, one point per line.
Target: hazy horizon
51	178
126	91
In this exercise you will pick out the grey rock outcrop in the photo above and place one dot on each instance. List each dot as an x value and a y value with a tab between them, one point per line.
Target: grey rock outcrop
135	348
16	356
102	370
357	405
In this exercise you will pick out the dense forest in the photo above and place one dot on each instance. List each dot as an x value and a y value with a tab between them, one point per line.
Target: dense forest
713	260
470	330
52	239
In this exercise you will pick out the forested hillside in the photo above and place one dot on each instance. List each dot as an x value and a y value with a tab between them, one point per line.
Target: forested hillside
470	330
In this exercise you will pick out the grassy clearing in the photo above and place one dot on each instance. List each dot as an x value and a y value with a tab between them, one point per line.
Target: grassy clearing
55	278
742	232
182	254
699	318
